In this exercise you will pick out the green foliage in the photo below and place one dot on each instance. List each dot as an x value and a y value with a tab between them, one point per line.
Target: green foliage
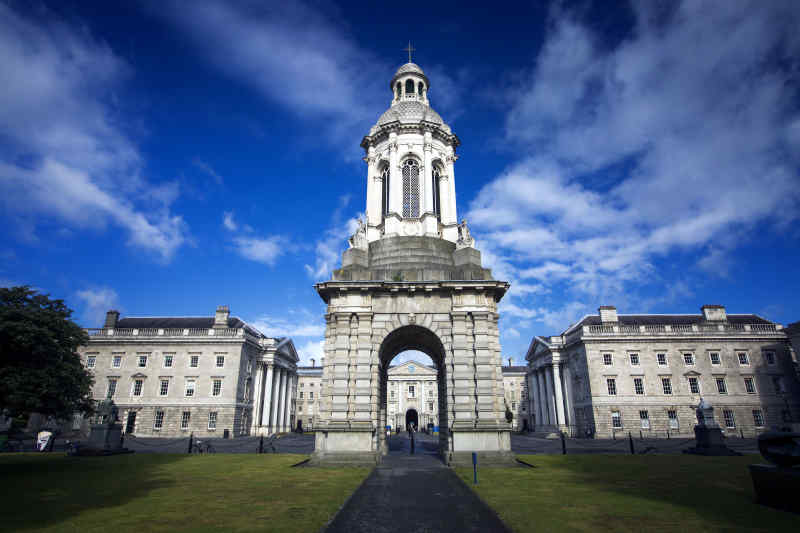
40	369
398	276
509	414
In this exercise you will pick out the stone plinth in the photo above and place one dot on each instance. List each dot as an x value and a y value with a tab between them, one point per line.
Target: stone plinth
776	486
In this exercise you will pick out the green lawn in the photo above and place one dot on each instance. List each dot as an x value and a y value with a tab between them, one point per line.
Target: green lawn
159	492
628	493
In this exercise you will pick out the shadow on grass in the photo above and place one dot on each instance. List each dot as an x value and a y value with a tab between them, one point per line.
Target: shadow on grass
659	492
40	490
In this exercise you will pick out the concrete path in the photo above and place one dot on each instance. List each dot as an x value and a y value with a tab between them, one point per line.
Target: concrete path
414	493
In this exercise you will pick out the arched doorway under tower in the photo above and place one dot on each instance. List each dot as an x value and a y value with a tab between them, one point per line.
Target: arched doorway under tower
412	419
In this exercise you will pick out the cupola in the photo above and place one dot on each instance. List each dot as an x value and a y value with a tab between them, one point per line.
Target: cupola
409	83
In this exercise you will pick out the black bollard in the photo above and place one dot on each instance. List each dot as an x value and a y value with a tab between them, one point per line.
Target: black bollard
412	444
640	435
630	441
667	433
261	444
191	438
741	432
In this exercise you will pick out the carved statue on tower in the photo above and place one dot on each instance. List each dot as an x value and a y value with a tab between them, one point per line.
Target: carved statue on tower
465	240
359	238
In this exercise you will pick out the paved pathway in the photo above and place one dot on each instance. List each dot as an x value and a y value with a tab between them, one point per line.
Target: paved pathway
414	493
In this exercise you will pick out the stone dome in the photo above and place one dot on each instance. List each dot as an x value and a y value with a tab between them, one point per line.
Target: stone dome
410	112
409	68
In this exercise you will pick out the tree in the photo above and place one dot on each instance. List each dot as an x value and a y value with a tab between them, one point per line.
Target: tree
509	414
40	369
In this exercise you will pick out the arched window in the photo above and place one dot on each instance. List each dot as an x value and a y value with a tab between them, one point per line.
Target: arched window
419	88
409	87
410	188
437	208
385	191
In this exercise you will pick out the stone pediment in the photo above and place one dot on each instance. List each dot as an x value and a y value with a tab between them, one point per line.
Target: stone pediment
692	373
412	368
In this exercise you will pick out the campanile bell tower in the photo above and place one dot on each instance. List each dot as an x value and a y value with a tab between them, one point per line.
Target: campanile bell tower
412	279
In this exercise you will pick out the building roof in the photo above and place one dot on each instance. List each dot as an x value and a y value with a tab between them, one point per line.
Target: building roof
410	112
646	320
184	322
515	368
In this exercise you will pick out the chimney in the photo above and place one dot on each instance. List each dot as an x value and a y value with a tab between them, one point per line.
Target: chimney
608	313
313	362
509	361
714	313
111	319
221	318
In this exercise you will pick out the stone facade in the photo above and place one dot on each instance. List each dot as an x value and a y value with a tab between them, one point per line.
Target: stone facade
515	386
610	374
412	279
172	376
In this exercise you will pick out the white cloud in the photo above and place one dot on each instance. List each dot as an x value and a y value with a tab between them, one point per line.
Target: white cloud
261	249
205	167
96	302
698	109
311	350
65	153
328	250
228	222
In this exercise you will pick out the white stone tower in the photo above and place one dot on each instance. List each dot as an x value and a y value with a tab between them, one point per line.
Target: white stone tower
412	279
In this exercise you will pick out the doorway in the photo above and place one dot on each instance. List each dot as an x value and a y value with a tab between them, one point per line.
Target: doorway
412	419
131	423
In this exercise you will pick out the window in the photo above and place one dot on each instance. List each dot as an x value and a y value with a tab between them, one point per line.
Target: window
715	360
770	357
411	391
743	360
638	385
513	405
212	420
220	361
190	383
137	387
730	422
644	417
688	358
301	395
301	385
409	87
694	385
142	361
666	384
90	361
158	421
430	406
112	388
164	389
777	382
168	358
673	419
722	388
186	416
385	192
607	360
758	418
194	361
749	385
116	361
616	420
436	175
410	188
392	395
300	408
634	359
216	387
662	359
311	395
612	386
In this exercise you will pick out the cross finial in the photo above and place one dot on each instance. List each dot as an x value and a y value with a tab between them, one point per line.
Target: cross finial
409	49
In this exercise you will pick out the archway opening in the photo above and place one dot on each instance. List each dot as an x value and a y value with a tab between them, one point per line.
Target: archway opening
412	419
413	386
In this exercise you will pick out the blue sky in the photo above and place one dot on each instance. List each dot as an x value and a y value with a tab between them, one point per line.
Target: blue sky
163	161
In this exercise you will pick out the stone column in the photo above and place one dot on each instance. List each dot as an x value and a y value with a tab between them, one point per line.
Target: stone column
281	401
273	412
287	409
558	397
532	402
428	179
266	396
548	381
451	193
568	398
256	399
542	398
373	188
395	179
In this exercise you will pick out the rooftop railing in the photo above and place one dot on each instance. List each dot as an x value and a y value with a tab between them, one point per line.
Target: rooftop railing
166	332
673	329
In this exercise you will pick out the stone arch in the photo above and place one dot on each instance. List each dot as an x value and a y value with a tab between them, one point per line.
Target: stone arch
406	334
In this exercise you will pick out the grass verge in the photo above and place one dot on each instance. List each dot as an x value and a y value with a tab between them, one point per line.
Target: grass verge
160	492
628	493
